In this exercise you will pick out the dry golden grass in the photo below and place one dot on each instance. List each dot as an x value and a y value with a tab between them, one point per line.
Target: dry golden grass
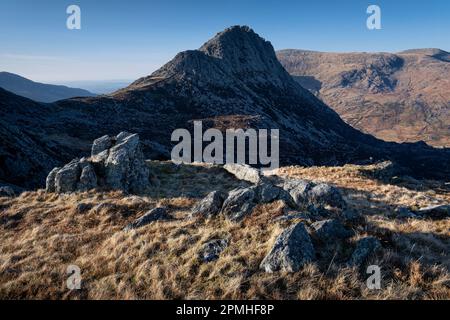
41	234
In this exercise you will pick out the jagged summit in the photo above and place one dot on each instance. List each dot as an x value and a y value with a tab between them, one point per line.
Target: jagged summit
235	54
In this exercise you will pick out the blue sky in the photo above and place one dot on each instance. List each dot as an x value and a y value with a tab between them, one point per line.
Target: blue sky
129	39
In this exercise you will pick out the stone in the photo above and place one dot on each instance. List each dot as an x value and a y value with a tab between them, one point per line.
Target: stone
365	247
50	183
66	179
101	144
121	167
325	194
244	172
88	178
436	211
6	191
211	250
156	214
83	207
352	216
330	230
210	205
404	213
125	167
298	190
267	192
240	203
292	249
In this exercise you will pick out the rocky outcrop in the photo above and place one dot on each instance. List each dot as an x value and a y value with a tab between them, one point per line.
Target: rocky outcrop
292	249
116	163
244	172
157	214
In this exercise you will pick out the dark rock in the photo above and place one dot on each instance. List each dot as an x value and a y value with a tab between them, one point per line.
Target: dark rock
157	214
211	250
324	194
83	207
240	203
298	190
292	249
210	205
404	213
364	248
331	230
437	211
267	192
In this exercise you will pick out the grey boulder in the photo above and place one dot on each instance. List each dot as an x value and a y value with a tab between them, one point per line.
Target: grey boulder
244	172
240	203
325	194
292	249
210	205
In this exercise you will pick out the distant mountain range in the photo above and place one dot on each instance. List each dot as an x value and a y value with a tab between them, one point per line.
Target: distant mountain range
396	97
39	91
233	81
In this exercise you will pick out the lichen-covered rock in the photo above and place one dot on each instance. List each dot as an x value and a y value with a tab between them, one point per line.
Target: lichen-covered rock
210	205
330	230
324	194
364	248
298	190
156	214
117	163
211	250
292	249
101	144
243	172
66	179
267	192
88	178
239	203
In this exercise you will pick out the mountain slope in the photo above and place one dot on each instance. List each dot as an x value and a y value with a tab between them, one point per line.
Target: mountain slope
233	81
396	97
39	91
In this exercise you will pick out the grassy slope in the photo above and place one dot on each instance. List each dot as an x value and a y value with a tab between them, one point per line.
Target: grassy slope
41	234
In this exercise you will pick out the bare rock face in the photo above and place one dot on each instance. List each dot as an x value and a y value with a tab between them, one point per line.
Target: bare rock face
292	249
117	163
210	205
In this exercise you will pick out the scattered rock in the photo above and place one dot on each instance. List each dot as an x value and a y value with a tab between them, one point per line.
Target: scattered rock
364	248
404	213
239	203
117	163
298	190
267	192
211	250
6	191
437	211
244	172
157	214
325	194
292	249
352	216
210	205
330	230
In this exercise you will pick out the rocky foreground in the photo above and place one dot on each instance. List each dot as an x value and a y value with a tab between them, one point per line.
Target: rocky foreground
150	229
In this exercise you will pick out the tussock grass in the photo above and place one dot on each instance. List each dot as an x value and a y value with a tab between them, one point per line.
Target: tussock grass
41	234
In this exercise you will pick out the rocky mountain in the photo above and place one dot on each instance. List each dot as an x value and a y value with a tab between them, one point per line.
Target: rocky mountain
39	91
396	97
233	81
